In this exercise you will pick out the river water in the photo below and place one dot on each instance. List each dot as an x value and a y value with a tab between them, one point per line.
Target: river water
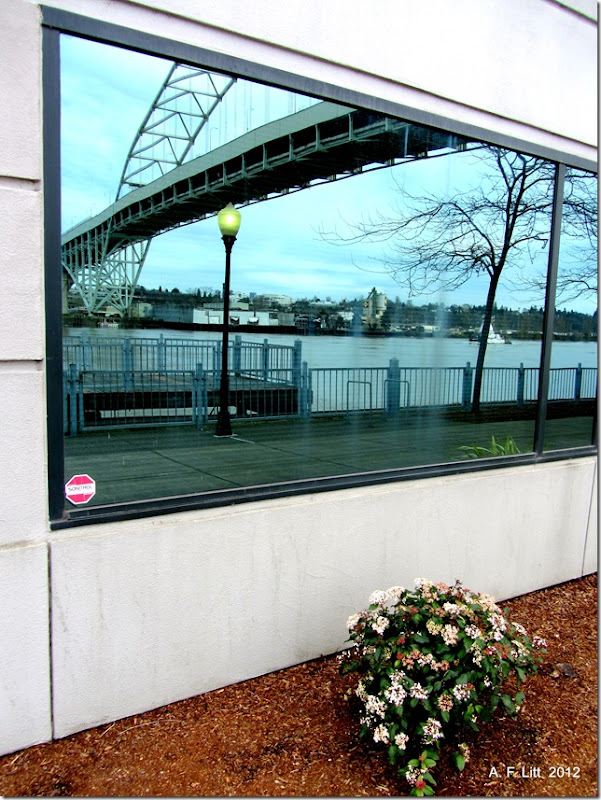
366	351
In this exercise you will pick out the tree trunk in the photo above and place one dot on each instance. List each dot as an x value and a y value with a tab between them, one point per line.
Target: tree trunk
490	301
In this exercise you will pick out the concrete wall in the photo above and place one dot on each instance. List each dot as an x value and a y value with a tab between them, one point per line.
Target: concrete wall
268	585
148	611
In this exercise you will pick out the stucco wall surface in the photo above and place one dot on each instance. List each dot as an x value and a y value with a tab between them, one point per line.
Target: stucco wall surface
157	610
525	67
24	653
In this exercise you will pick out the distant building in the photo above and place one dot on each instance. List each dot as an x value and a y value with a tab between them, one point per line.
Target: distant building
373	309
276	299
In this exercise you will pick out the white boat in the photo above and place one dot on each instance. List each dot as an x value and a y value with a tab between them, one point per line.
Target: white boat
493	336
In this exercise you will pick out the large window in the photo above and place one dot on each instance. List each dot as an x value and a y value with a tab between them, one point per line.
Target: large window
386	299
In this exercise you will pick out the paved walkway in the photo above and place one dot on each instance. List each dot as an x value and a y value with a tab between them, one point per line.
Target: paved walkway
159	462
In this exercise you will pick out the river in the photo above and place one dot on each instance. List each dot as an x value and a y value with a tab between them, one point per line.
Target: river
376	351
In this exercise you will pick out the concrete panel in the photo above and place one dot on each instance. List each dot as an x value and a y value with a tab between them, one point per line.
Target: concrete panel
23	486
21	266
20	132
591	551
157	610
24	654
431	47
420	54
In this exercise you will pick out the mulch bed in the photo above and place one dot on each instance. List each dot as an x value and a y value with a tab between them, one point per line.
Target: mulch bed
292	733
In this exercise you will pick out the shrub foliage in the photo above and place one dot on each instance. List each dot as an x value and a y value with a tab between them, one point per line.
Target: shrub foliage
432	662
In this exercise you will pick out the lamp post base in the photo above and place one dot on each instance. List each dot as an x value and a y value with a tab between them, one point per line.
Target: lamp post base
224	423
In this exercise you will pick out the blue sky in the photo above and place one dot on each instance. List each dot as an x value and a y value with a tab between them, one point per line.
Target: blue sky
106	93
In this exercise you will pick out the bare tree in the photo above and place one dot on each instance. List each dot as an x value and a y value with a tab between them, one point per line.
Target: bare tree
439	242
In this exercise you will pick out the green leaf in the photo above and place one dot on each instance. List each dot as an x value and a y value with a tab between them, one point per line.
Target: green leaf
519	698
521	674
429	777
508	703
420	637
393	754
445	716
459	761
428	791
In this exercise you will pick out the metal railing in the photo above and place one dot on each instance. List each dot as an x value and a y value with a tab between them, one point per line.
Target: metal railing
128	397
164	354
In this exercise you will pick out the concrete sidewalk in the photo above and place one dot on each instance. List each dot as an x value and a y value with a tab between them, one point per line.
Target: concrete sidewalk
145	463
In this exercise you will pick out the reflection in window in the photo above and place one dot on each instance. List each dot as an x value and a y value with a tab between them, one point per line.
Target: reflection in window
386	300
571	412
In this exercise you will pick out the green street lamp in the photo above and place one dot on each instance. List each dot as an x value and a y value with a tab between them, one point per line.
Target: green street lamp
229	225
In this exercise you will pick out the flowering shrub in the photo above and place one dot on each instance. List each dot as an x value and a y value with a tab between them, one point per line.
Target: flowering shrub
433	661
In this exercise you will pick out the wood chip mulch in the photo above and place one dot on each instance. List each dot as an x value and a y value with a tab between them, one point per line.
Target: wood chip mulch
292	733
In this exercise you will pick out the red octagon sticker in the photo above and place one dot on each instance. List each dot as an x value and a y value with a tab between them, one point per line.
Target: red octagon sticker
80	489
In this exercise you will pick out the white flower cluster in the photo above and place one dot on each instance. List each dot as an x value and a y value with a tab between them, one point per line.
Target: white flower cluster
378	598
413	774
401	740
498	622
452	609
462	691
375	706
417	690
361	692
395	593
381	734
473	631
396	693
380	624
432	731
449	634
353	621
476	654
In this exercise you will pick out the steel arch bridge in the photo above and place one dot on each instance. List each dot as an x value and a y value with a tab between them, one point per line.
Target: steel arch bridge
164	185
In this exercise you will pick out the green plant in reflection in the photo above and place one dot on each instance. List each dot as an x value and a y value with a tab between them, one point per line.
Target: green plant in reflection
508	447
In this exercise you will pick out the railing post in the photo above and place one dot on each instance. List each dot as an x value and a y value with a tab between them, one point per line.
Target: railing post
73	407
304	401
216	356
265	359
295	367
237	355
578	382
162	355
198	405
86	349
521	384
466	398
393	387
128	364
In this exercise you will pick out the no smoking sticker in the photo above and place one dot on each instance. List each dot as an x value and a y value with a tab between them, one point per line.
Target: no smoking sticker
80	489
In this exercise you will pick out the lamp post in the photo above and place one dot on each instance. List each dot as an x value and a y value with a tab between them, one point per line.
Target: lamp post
229	225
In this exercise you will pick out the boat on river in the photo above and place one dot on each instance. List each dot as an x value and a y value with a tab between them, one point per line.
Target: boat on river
493	336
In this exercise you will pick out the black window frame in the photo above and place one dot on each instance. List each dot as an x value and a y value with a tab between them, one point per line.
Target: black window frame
56	22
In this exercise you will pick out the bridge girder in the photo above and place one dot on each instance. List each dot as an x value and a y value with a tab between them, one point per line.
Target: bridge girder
106	276
323	142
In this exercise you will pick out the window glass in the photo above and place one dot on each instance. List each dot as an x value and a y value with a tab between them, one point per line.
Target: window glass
385	297
571	410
